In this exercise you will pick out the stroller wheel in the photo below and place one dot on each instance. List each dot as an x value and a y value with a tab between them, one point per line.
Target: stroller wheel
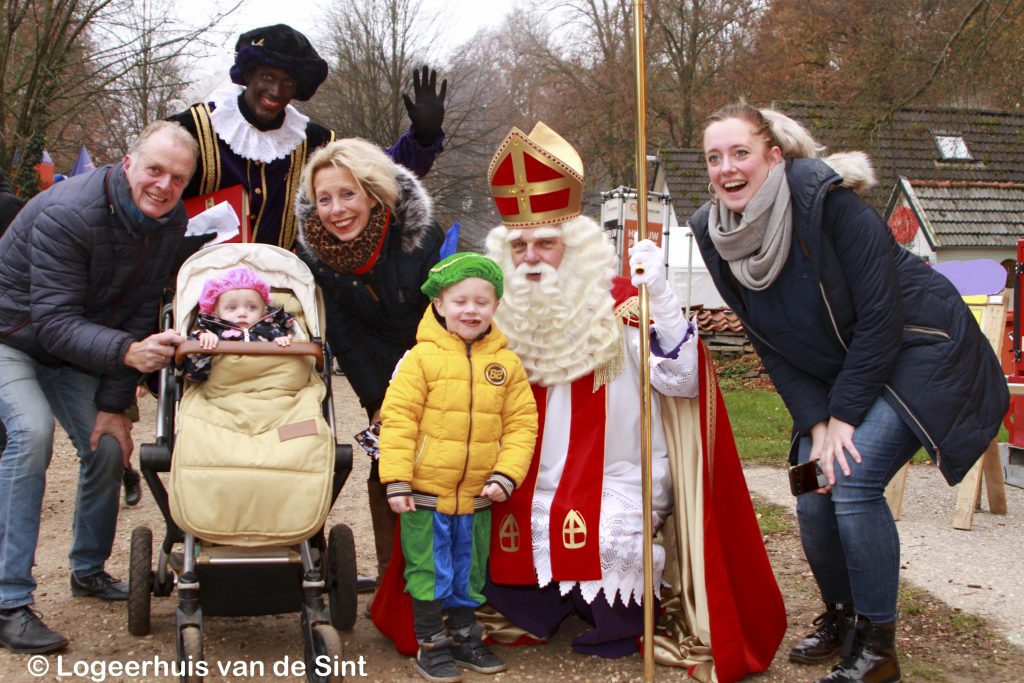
341	577
140	580
324	655
190	651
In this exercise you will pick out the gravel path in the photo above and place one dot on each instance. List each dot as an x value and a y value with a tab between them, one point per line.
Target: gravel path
980	571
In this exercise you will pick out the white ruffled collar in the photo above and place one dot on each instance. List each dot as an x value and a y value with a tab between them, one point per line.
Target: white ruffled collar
249	142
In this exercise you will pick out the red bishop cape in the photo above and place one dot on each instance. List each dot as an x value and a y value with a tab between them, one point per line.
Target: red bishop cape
745	609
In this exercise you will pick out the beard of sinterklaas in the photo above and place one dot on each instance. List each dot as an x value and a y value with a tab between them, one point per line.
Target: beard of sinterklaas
563	326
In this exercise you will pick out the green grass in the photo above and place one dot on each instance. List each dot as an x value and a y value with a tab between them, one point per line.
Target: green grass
772	519
912	601
967	623
918	670
730	373
761	425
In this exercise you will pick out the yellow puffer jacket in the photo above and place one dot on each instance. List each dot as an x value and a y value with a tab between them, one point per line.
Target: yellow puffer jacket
454	415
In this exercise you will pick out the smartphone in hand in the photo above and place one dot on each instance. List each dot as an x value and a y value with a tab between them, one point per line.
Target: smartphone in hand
806	478
368	439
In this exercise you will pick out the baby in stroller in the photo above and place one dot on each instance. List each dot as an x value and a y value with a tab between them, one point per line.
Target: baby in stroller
252	455
236	307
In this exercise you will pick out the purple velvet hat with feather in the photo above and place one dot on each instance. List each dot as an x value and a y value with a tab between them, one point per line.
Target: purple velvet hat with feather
283	47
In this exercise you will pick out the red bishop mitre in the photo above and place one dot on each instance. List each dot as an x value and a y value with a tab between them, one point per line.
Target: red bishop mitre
536	179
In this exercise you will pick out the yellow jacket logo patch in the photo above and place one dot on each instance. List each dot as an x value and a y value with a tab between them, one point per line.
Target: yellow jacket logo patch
496	374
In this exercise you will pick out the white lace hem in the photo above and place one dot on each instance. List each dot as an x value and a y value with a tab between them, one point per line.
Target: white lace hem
677	376
247	141
622	550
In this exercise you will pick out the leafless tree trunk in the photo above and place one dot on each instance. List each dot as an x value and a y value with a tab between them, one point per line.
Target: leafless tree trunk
373	48
63	61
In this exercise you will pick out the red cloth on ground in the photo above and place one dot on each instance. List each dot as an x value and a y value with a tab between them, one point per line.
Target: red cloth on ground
745	608
391	610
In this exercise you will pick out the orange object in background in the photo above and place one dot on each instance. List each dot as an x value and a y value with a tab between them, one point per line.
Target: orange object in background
45	172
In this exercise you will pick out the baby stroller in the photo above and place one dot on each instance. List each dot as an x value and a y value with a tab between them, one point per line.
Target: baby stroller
254	470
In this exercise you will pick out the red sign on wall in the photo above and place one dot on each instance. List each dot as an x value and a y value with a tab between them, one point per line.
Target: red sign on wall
904	224
629	239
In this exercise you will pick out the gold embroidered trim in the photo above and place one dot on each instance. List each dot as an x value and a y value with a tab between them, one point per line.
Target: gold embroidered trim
209	152
255	227
289	224
628	310
711	397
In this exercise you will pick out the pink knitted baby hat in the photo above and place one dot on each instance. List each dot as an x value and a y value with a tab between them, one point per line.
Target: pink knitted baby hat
239	278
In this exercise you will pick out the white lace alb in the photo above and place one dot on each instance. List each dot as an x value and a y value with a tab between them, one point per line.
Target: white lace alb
622	550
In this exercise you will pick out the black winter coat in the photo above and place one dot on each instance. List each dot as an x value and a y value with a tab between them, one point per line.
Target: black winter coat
372	318
79	282
10	204
882	323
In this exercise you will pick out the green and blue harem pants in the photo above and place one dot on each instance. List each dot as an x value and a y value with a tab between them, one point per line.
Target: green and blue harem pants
446	556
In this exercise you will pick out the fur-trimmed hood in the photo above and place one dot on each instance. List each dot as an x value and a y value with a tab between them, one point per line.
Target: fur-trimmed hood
855	168
414	212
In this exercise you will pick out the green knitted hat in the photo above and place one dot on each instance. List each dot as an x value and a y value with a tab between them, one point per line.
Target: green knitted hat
457	268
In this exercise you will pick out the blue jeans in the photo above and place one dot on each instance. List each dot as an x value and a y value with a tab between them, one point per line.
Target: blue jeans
31	395
848	535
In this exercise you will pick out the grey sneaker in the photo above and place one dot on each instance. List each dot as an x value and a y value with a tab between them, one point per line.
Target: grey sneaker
470	652
434	660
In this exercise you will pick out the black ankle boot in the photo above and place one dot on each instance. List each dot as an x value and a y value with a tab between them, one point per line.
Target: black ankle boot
872	656
826	640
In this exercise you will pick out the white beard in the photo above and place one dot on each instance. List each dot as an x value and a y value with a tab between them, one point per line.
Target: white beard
562	326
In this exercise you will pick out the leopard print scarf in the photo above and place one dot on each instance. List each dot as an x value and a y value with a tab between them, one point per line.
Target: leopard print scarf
357	256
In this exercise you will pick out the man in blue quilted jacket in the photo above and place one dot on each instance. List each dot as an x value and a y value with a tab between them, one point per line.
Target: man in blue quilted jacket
82	268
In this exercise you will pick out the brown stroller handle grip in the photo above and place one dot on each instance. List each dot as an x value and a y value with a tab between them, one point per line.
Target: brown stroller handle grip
257	348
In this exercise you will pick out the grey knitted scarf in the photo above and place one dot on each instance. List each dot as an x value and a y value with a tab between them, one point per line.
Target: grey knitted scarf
756	242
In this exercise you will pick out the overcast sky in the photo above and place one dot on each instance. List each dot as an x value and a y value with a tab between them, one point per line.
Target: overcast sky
463	18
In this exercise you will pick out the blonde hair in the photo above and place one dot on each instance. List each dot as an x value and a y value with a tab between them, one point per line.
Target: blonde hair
374	172
777	129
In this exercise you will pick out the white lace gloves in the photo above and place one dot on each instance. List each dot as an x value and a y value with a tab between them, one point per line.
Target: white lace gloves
670	326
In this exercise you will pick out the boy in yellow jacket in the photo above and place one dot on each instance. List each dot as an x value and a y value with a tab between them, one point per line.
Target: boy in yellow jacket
459	423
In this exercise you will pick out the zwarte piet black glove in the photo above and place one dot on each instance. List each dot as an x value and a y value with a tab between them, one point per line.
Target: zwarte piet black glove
427	111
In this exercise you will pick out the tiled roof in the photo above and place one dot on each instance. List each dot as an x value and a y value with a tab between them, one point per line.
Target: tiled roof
687	178
971	214
905	144
718	321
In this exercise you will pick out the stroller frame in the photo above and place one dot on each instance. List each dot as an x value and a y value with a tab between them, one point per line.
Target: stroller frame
300	573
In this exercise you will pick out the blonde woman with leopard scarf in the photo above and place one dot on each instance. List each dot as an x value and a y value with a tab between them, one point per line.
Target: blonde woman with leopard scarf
366	231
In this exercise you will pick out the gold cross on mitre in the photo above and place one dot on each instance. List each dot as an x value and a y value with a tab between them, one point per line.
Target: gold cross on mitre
536	179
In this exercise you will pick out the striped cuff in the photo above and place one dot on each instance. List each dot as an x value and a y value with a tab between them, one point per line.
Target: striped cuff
399	488
506	484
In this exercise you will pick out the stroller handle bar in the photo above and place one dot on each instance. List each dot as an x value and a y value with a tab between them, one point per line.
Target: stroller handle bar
256	348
